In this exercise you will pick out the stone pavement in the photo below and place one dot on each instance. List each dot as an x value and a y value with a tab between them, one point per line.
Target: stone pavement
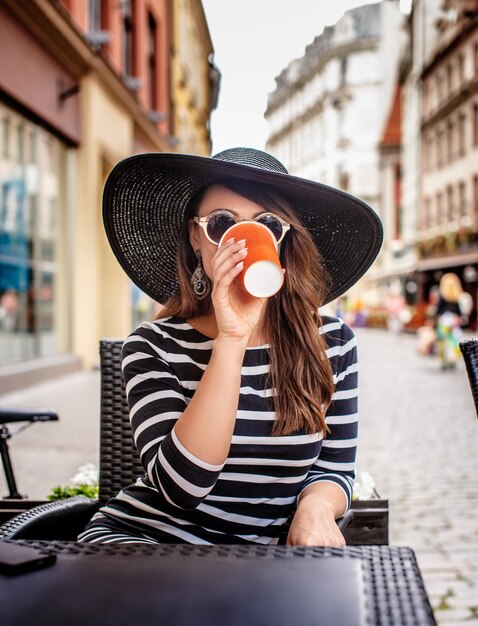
418	439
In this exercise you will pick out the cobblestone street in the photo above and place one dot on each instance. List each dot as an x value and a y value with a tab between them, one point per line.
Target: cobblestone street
418	439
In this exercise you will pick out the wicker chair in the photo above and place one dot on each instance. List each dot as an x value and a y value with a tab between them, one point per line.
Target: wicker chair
119	463
120	466
469	350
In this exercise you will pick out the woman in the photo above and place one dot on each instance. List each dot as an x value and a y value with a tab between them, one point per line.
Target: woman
448	320
241	408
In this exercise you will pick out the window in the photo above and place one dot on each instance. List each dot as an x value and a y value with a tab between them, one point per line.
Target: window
461	69
426	96
32	251
128	38
427	217
32	148
398	218
475	198
462	199
449	78
95	15
450	203
344	180
431	159
343	70
475	124
439	88
450	140
6	137
426	152
439	208
461	134
152	64
21	143
440	148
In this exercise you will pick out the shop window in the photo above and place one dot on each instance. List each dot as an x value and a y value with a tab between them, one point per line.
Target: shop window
30	259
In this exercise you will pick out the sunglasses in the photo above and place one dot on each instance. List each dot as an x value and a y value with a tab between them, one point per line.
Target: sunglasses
216	223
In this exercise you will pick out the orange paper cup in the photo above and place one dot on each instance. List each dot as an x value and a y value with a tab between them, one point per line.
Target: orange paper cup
262	275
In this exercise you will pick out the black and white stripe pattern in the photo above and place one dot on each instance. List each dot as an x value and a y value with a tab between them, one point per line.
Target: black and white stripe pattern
249	498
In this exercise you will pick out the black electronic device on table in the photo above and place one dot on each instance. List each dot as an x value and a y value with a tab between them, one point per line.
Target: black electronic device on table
19	559
183	591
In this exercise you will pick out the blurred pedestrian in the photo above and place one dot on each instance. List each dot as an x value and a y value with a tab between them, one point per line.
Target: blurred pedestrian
395	307
8	310
449	320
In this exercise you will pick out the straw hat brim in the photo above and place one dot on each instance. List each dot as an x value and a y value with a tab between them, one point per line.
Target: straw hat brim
146	197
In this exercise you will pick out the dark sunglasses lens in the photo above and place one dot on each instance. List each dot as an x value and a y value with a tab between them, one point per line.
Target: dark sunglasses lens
272	224
218	224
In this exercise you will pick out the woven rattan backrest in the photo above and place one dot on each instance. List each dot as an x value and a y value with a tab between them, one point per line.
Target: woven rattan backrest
119	459
469	350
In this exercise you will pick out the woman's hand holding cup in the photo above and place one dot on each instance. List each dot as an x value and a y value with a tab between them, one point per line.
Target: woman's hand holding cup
237	312
247	272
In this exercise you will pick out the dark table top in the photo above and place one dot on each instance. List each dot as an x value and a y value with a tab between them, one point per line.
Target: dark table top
393	591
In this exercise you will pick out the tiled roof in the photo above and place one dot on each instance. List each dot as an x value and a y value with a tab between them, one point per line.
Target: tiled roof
392	132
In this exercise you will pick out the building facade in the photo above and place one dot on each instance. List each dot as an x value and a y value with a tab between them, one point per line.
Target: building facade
328	111
447	228
195	87
101	77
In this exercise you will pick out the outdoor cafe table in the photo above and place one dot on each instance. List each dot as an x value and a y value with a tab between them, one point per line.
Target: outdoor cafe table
391	588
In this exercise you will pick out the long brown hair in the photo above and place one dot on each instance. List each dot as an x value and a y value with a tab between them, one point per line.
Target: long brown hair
300	372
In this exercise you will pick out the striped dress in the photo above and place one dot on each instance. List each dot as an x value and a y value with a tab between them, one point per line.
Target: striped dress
249	497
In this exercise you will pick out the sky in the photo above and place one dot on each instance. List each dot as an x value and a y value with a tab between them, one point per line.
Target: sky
253	41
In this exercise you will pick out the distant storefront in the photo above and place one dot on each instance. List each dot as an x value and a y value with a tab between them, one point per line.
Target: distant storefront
33	304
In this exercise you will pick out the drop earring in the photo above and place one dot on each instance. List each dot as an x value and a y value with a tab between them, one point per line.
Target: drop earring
199	280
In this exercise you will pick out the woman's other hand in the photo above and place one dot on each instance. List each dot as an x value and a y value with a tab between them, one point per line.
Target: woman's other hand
314	525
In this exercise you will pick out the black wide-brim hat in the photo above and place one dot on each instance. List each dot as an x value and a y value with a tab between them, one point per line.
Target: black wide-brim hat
146	197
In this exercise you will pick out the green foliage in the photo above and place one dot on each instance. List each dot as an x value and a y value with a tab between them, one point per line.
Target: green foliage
61	493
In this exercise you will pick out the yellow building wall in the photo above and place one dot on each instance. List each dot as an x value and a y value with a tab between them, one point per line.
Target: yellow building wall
191	48
101	290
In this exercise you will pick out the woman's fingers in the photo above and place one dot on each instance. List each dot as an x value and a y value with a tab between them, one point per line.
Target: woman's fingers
227	263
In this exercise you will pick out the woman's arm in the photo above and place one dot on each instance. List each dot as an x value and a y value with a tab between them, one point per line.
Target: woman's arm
206	426
314	521
183	445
